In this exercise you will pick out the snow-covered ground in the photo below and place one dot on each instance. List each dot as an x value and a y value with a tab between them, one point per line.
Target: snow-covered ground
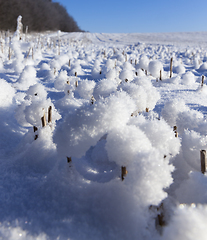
97	141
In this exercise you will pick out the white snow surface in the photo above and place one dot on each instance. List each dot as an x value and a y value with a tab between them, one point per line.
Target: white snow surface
88	143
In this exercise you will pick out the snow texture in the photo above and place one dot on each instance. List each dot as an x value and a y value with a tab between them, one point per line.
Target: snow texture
98	141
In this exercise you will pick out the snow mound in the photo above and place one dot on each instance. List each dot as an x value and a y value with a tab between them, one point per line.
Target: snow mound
7	92
188	223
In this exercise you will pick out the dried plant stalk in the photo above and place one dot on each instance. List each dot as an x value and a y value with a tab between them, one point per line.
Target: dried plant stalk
35	129
123	172
93	100
171	61
9	53
50	114
202	82
175	131
69	159
43	119
203	161
28	53
59	47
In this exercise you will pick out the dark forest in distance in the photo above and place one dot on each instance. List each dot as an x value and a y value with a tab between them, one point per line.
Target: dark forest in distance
38	15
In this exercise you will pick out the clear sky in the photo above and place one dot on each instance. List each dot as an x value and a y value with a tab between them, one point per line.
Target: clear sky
142	16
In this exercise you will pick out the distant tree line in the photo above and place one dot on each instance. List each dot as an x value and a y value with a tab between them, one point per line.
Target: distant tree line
38	15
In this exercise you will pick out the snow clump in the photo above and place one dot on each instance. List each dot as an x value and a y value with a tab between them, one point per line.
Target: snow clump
188	78
155	67
7	92
193	221
27	78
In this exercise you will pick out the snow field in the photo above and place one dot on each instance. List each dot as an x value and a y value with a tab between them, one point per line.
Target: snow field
64	178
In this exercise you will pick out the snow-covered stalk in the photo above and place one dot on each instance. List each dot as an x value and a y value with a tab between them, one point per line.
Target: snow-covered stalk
59	41
38	42
19	29
28	53
26	32
2	47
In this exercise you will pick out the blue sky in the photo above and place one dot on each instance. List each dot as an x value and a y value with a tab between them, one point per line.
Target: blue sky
143	16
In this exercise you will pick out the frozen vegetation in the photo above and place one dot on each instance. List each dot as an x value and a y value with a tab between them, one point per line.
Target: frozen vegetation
101	136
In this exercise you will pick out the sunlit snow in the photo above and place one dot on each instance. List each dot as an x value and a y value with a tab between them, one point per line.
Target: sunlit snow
97	141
